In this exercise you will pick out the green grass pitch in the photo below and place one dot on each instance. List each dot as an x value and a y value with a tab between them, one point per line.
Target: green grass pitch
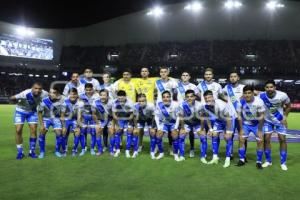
120	178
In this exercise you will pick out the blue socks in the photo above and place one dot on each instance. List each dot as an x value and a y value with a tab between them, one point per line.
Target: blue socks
117	140
283	155
215	145
152	143
64	143
32	142
135	140
111	144
42	143
129	141
181	145
259	155
159	145
58	143
99	143
203	149
242	153
82	141
175	145
76	142
228	147
268	155
93	141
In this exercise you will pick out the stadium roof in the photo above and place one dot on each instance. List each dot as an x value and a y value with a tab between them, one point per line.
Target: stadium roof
70	14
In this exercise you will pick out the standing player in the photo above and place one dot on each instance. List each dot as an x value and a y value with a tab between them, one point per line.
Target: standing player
123	116
165	84
73	83
189	113
127	85
233	91
209	84
182	87
167	122
49	115
144	119
68	116
27	102
146	86
88	78
85	119
277	106
102	115
106	77
218	109
251	118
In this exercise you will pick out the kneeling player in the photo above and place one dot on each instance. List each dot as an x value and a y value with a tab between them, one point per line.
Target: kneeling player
102	115
85	119
144	119
219	110
123	116
27	102
167	121
49	115
189	114
251	118
69	112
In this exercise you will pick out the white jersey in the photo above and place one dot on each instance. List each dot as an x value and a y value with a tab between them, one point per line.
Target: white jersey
249	110
86	108
70	109
103	111
109	88
93	81
166	114
234	94
71	85
51	108
27	102
144	113
274	106
216	89
190	113
123	110
161	86
219	111
182	88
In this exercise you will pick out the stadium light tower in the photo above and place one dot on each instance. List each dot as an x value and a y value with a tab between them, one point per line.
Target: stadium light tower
23	31
273	5
195	6
156	11
231	4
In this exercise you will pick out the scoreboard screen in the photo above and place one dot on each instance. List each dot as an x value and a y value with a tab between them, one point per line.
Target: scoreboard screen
34	48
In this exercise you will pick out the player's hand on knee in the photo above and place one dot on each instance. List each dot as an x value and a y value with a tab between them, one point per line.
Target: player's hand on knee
77	131
182	132
43	129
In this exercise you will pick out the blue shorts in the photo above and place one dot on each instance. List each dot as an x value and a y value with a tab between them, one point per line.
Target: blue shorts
142	124
192	127
71	124
220	126
250	129
88	121
270	128
20	117
166	127
125	124
54	122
